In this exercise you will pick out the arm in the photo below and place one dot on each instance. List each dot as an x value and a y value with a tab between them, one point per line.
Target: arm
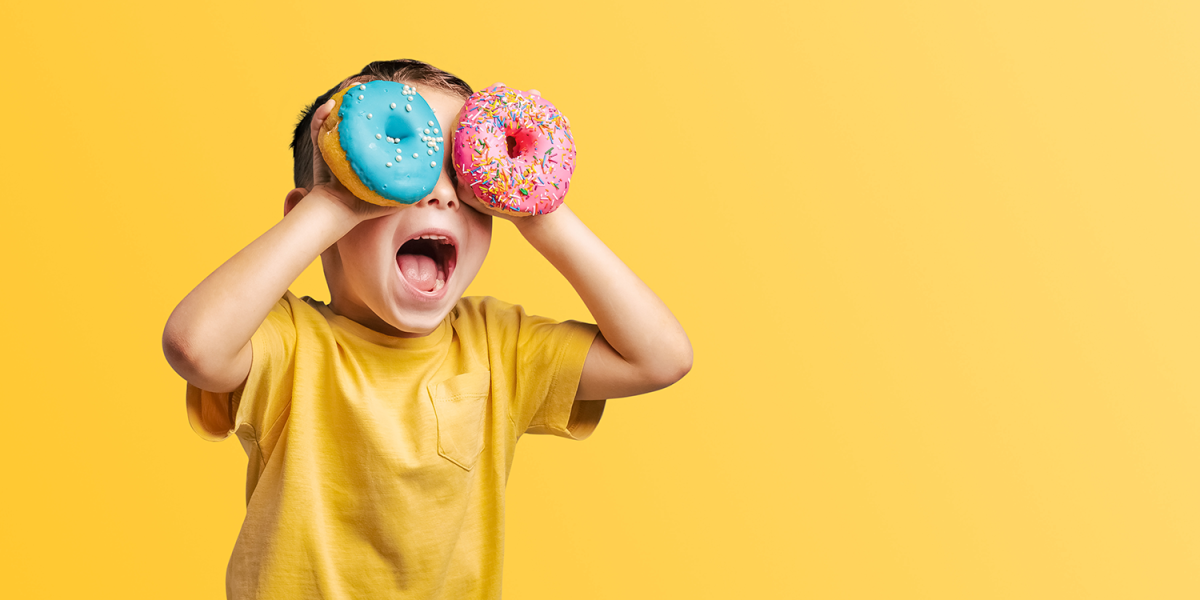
641	346
207	337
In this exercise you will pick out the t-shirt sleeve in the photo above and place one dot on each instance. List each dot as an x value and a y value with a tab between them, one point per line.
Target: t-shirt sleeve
546	366
261	400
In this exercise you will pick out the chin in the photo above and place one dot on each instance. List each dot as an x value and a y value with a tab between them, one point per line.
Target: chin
421	321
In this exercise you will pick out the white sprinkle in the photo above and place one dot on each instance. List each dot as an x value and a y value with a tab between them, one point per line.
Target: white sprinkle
439	140
389	164
430	124
410	98
362	87
390	139
431	144
426	132
398	150
432	164
415	155
408	107
436	131
368	115
380	137
431	152
399	158
360	96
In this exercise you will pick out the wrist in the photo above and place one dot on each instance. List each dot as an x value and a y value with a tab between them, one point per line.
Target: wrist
335	209
537	225
328	217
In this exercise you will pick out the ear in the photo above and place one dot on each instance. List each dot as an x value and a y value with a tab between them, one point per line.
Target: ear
293	198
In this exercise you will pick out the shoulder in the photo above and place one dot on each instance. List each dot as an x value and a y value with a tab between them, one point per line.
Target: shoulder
307	312
307	305
498	321
289	320
509	324
293	308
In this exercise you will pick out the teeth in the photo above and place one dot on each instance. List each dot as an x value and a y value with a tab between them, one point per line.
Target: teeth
437	285
440	238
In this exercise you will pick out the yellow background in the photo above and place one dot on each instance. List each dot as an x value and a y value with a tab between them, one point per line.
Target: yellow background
938	261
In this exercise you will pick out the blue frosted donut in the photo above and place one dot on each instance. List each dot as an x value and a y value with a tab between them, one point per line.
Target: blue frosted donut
385	144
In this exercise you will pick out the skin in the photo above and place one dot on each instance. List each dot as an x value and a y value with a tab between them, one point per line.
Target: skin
641	346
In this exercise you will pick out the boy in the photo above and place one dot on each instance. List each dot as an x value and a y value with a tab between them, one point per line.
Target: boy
380	428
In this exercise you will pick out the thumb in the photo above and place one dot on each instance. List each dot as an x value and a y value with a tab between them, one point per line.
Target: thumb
319	169
319	117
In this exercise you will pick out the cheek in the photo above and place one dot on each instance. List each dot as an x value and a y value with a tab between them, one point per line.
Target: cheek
462	189
365	248
481	232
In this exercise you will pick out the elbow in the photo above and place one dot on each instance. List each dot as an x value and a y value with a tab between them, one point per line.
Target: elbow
684	364
183	351
673	365
177	350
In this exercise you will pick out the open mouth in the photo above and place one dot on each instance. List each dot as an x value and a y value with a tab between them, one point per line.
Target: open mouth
427	261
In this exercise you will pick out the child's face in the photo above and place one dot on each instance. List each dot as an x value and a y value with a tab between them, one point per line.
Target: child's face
391	281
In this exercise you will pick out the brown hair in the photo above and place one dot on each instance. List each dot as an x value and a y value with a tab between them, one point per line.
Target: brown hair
404	70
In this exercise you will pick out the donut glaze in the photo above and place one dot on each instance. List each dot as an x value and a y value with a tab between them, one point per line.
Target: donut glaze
515	150
383	142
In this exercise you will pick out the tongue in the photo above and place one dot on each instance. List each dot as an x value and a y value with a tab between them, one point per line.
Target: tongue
419	270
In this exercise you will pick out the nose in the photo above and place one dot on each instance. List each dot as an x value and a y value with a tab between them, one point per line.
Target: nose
443	194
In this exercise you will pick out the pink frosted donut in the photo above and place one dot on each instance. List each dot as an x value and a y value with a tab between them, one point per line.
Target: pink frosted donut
515	150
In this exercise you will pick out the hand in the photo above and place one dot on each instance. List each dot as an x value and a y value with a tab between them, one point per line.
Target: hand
324	180
467	196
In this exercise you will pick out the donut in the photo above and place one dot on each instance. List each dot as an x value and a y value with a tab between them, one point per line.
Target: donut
383	142
515	151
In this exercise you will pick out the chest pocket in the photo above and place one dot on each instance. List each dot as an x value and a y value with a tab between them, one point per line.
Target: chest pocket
461	404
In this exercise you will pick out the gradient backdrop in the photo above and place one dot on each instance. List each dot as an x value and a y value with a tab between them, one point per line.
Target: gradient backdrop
938	261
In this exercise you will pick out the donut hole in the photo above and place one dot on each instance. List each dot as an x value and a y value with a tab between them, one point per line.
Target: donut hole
398	129
520	143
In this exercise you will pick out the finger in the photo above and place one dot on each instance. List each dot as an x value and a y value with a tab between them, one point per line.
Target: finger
319	117
320	171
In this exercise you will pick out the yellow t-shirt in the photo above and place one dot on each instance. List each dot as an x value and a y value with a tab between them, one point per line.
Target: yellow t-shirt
377	464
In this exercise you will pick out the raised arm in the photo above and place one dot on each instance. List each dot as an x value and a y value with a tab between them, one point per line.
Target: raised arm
207	337
641	346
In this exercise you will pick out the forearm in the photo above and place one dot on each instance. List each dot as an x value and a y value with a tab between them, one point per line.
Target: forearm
632	319
207	337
